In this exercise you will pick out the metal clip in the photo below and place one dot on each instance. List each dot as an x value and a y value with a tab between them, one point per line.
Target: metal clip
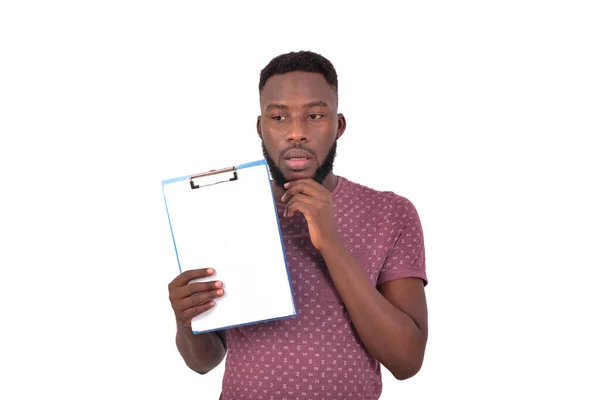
210	178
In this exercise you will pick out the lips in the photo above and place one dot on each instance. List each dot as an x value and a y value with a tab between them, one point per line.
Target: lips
297	159
297	153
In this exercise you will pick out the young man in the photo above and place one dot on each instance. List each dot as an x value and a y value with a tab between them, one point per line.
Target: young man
356	259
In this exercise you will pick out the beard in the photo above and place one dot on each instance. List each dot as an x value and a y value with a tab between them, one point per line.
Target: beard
321	173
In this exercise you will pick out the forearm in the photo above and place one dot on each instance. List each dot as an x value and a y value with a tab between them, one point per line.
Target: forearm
390	335
201	352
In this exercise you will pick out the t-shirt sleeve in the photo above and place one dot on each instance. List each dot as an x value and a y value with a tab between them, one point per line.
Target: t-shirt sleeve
406	258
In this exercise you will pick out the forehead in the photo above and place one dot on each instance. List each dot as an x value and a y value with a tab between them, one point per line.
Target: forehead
297	87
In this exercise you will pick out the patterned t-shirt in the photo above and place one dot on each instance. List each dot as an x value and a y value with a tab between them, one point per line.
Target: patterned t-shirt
318	354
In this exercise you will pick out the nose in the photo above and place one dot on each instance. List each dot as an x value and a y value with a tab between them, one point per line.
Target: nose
298	131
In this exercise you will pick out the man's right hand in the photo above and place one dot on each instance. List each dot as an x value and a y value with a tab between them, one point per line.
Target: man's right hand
191	299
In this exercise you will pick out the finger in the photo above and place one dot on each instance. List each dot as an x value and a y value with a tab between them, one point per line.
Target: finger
187	315
311	190
303	198
300	203
193	289
199	299
305	182
184	278
308	181
300	188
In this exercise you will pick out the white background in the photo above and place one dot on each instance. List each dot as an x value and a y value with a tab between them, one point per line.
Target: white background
484	114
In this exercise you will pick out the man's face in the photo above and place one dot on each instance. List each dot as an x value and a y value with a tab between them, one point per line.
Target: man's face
299	126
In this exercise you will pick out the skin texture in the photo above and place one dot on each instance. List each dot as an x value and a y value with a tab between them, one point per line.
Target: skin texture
299	112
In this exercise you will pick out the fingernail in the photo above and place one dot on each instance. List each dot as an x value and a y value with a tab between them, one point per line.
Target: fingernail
285	185
211	271
218	284
219	292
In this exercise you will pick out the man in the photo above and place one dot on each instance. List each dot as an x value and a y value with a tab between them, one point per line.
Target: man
356	259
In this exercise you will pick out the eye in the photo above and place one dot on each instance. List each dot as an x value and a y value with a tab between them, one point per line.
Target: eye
315	116
278	117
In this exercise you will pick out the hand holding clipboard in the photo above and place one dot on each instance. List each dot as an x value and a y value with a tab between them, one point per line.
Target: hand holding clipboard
190	300
240	241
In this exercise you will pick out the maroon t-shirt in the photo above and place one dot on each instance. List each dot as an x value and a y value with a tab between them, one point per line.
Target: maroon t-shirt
317	354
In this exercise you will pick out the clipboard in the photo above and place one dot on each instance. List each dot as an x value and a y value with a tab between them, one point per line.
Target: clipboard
226	219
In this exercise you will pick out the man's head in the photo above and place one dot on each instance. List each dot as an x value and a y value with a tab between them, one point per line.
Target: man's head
299	124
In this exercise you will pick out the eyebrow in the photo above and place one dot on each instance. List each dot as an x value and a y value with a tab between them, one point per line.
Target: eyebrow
273	105
317	103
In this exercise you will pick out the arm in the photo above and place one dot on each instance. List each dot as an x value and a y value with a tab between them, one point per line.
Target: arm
201	353
391	321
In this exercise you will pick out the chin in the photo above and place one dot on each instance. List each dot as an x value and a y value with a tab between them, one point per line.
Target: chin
295	175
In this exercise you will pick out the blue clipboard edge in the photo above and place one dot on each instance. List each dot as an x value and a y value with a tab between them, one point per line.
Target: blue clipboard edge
287	269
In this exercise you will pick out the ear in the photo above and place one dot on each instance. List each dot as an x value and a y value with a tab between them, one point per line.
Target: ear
341	125
259	127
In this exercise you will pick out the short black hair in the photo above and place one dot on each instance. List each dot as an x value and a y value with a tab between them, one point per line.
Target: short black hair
306	61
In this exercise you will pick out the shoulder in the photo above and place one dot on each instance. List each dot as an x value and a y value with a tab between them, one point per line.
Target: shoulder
384	201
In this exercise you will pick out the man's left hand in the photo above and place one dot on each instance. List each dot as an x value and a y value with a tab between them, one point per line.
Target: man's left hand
306	196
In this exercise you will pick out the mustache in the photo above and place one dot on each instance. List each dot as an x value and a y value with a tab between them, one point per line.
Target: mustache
298	147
